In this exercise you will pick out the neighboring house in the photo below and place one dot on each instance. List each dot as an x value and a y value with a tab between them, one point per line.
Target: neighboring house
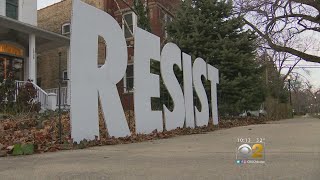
21	41
33	42
57	18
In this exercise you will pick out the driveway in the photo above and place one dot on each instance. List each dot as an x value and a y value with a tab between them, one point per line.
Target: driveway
292	152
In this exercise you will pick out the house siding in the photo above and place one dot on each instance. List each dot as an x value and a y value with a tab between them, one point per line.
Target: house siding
3	8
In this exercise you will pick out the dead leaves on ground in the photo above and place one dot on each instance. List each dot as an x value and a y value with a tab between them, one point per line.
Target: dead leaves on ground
44	135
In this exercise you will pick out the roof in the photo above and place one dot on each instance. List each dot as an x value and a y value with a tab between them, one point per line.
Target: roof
45	40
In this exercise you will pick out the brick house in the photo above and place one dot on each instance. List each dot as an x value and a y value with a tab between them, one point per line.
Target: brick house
56	18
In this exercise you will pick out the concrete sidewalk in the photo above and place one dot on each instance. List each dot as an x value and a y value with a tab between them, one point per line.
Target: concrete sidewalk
292	152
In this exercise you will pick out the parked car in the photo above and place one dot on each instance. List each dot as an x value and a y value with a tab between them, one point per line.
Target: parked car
258	113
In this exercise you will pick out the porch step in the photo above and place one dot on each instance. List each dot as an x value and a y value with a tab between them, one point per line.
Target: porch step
42	96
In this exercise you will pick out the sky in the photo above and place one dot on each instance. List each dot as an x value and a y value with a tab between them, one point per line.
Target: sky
44	3
313	41
312	76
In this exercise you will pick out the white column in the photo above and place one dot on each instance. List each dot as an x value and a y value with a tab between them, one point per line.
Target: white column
52	101
32	58
69	75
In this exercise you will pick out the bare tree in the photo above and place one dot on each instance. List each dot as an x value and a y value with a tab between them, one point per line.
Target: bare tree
288	26
284	62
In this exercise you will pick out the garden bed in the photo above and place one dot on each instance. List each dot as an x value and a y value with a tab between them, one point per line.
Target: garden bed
40	134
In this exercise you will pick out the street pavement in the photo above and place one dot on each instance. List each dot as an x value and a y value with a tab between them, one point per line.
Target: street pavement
292	152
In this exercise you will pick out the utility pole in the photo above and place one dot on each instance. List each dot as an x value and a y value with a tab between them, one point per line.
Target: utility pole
290	92
315	105
59	97
290	98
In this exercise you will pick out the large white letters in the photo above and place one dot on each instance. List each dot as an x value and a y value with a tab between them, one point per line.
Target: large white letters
147	47
188	90
171	55
87	80
213	76
199	70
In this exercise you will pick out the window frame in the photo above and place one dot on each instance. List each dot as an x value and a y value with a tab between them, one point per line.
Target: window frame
13	5
63	28
125	89
134	23
63	75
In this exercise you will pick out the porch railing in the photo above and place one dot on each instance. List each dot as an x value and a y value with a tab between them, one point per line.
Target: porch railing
42	96
64	95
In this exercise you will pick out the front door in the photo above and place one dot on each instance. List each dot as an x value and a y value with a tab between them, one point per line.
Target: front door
11	67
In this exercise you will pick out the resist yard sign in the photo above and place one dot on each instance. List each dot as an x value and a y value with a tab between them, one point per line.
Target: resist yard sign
89	82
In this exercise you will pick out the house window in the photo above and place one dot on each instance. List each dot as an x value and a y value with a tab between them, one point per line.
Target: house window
128	79
130	19
167	19
65	75
12	8
65	29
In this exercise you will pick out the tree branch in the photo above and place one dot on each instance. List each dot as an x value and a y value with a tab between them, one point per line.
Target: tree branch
312	3
278	48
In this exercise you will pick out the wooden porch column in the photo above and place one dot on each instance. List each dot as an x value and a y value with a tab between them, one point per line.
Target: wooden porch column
32	71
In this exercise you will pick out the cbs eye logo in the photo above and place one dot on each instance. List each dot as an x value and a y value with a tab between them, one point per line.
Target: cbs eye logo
256	151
